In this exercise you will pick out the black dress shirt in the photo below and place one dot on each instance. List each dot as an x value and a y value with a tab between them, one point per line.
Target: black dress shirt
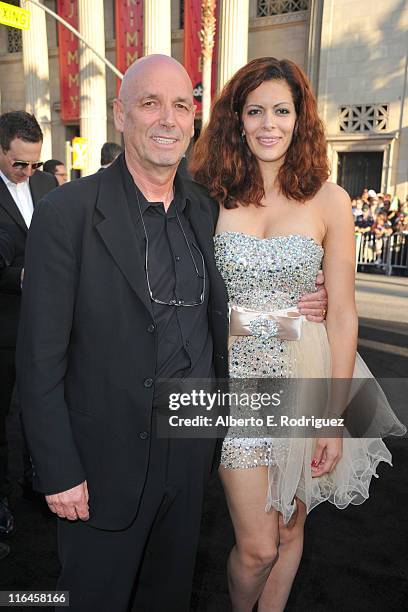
184	343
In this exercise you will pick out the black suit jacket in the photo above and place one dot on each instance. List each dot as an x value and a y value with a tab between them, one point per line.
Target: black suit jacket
13	224
86	352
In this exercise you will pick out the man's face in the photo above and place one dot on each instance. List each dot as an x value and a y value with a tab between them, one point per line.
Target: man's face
19	150
156	117
60	174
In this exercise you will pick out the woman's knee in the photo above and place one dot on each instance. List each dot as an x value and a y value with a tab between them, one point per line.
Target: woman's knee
293	530
259	557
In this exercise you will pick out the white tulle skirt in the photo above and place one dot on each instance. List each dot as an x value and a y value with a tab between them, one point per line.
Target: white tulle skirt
289	460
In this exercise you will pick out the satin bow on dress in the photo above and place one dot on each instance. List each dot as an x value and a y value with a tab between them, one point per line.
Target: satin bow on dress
283	324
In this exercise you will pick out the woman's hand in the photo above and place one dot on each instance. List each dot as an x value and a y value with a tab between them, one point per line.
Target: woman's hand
327	454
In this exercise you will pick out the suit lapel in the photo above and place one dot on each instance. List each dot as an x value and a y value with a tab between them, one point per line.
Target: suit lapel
118	233
40	184
203	229
8	203
36	192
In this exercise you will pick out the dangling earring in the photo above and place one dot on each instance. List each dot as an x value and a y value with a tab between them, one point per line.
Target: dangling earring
243	134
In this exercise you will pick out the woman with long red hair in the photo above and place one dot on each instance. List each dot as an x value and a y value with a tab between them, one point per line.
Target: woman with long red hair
263	157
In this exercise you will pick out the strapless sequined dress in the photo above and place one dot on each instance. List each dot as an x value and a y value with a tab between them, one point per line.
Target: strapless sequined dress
270	275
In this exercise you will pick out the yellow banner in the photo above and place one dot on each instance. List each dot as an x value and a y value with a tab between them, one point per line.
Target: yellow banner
79	152
14	16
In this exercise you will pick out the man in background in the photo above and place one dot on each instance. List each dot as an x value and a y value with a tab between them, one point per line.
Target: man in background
21	187
57	168
109	152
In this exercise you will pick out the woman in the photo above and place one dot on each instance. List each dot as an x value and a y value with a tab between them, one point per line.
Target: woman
263	157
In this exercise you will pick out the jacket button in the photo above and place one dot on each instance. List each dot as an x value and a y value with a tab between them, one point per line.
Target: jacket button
143	435
151	328
148	382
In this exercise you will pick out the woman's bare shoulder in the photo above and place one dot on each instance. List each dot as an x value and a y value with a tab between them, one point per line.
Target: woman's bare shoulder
331	192
332	199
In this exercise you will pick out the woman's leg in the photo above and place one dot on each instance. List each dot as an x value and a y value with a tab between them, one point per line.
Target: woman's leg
256	535
277	588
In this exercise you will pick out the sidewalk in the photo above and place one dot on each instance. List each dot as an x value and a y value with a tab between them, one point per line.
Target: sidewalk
382	297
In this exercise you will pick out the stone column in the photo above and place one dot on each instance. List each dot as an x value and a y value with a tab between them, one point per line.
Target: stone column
314	43
92	81
157	27
36	74
233	38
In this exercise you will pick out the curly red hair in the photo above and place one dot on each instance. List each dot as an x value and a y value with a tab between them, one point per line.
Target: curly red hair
221	159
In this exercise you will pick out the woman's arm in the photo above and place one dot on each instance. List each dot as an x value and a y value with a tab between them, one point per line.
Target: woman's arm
339	272
342	321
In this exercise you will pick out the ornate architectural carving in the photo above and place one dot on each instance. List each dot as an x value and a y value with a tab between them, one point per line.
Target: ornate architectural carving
268	8
363	118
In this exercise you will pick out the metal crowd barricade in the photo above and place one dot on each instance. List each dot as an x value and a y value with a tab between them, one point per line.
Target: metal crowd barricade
398	252
357	237
387	254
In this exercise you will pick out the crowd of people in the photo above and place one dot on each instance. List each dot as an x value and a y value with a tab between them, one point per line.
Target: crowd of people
378	216
379	213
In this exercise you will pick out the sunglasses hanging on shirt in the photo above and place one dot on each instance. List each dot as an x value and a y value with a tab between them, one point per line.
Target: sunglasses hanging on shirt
202	276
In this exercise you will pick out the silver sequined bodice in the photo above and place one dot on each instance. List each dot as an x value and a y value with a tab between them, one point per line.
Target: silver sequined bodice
265	275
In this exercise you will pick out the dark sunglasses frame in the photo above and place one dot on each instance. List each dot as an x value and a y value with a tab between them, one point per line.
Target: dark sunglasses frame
24	164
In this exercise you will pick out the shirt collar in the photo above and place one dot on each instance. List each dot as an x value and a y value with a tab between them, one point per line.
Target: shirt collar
179	193
10	183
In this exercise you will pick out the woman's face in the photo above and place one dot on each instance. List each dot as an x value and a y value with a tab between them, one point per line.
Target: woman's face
269	118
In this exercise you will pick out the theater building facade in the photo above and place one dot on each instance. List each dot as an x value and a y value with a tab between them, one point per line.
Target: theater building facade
355	53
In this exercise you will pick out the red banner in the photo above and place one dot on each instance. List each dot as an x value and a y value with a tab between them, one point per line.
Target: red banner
192	49
68	61
129	32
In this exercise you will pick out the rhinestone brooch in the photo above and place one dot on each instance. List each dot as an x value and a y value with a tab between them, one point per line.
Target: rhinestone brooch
263	328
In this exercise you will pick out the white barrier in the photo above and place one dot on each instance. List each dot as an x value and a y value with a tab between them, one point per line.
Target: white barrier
388	253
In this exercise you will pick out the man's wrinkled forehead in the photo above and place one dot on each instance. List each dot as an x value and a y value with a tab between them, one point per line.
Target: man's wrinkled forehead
158	82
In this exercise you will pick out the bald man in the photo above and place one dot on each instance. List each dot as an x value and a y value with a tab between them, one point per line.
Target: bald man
121	290
98	328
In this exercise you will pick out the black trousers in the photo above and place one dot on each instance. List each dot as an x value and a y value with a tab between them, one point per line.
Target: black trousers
149	566
7	380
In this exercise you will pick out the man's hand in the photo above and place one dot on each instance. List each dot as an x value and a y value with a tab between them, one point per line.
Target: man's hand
71	504
314	305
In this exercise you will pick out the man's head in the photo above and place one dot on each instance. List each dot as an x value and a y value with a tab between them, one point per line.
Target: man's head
57	168
155	111
20	145
381	218
109	152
